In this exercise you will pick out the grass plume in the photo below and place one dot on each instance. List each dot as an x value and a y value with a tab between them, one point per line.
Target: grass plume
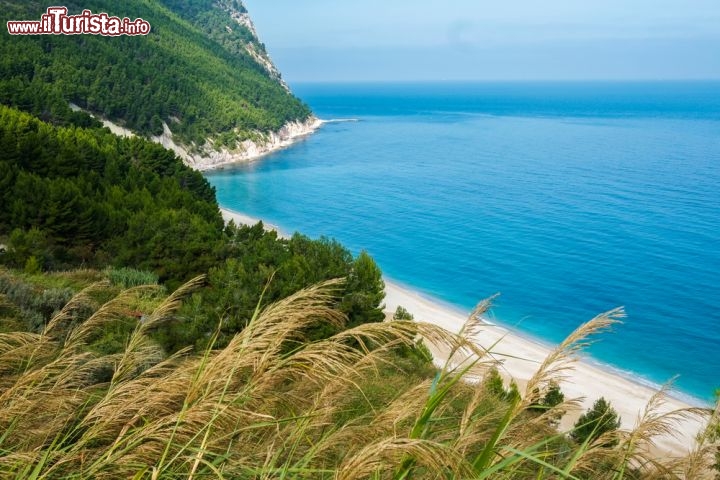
274	404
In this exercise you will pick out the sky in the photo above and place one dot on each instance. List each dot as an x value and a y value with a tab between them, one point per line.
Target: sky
434	40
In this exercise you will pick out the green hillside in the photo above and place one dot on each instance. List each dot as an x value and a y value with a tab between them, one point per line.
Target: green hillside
76	196
73	195
193	72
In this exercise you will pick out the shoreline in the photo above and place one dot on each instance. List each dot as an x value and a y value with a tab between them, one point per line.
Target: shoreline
209	159
288	135
459	312
522	354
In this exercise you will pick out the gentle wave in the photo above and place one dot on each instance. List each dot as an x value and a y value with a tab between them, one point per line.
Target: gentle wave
341	120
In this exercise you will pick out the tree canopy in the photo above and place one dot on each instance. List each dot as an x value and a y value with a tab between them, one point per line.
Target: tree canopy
75	196
193	72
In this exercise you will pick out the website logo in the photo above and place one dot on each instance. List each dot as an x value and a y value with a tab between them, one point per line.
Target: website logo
56	21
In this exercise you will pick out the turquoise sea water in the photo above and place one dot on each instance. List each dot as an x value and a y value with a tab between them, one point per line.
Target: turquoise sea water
568	199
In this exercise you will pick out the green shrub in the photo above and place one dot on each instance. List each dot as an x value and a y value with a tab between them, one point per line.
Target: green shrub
18	292
402	314
32	265
129	277
598	420
51	300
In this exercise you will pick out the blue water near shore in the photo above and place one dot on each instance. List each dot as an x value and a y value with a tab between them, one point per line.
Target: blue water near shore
568	199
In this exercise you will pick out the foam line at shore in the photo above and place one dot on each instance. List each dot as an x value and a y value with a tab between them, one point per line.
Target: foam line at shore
341	120
521	356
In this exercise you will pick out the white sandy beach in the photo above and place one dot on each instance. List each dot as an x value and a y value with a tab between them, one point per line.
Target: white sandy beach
521	357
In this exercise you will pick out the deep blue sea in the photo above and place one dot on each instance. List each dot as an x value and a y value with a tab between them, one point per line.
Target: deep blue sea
569	199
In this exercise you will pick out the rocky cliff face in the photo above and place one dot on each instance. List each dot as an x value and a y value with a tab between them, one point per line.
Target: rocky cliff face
254	49
208	158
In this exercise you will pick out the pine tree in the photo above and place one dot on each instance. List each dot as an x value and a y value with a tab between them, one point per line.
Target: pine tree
600	419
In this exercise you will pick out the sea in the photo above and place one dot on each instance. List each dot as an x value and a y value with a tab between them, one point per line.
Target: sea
568	199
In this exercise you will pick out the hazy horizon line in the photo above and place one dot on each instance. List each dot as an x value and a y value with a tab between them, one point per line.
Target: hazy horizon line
508	80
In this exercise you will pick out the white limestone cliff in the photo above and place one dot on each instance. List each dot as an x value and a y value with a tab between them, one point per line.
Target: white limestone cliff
207	158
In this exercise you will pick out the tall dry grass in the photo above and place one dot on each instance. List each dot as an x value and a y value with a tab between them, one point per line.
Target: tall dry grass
274	405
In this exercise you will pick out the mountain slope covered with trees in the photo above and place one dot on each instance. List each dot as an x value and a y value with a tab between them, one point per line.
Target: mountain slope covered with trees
73	194
200	71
